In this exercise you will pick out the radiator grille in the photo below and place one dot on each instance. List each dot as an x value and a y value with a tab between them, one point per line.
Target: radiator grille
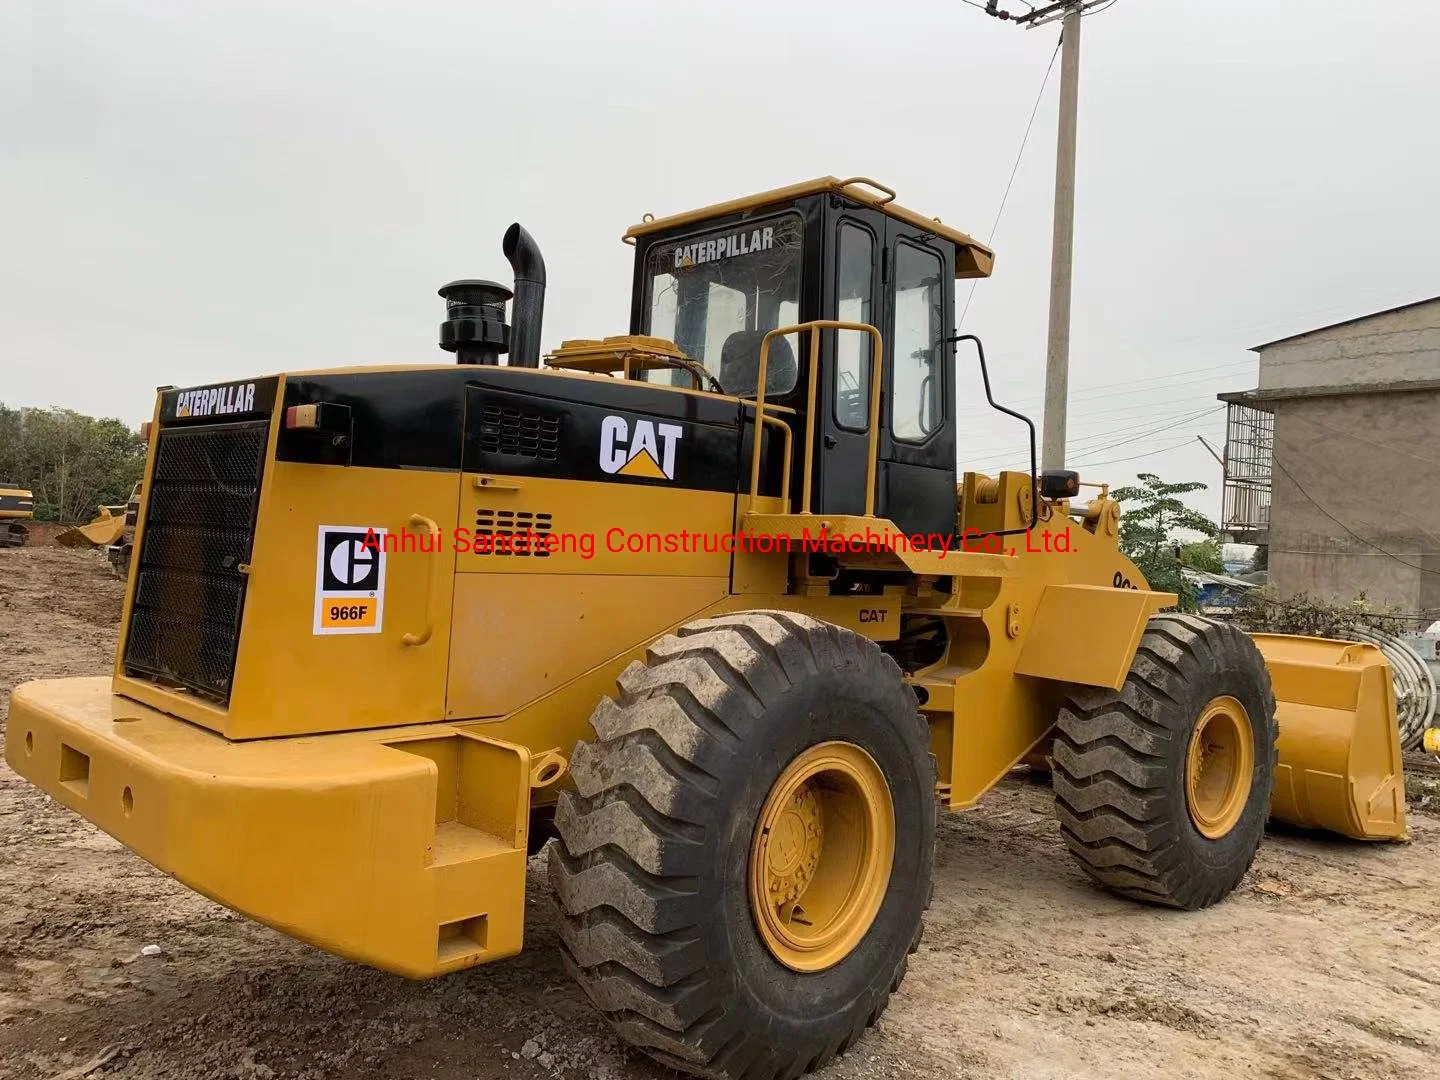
512	532
506	429
199	527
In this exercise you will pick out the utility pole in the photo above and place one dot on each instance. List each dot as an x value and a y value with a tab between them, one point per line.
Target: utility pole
1062	251
1057	351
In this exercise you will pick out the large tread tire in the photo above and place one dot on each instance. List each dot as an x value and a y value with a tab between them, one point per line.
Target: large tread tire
1120	766
650	868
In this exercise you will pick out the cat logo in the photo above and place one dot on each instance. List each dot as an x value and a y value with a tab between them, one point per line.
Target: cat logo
349	580
648	451
215	400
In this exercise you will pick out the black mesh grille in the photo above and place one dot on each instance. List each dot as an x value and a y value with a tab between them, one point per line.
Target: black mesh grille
512	532
199	527
505	429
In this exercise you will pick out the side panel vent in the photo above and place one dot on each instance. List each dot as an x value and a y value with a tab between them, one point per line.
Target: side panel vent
512	532
518	432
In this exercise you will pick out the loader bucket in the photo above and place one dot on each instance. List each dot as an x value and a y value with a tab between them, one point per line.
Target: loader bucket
1339	746
101	532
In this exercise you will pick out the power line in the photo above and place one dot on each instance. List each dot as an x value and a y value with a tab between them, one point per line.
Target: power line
1013	171
1102	391
1014	467
1168	377
1164	423
1080	442
1138	411
1133	457
1168	424
1040	16
1024	139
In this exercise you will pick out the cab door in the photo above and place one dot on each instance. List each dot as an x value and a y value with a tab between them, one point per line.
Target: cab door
899	279
852	293
917	436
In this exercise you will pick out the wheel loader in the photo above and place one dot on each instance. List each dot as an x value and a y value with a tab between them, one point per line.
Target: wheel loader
101	531
120	549
704	610
17	504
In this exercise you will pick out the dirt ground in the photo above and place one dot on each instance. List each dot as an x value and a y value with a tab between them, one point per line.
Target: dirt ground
1325	963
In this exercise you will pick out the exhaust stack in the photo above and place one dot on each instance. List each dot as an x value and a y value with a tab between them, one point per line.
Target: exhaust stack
528	310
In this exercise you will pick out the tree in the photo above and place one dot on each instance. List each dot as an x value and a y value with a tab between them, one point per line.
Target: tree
1148	533
72	462
1203	555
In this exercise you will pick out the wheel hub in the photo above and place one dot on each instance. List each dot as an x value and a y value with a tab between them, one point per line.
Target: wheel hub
793	847
821	856
1219	767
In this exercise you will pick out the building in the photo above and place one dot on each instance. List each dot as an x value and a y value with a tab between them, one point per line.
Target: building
1333	461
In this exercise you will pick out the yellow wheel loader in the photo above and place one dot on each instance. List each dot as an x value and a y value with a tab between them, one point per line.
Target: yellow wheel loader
706	606
104	529
17	504
120	549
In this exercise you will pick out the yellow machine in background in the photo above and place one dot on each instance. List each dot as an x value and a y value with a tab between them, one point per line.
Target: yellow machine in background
17	504
371	609
101	531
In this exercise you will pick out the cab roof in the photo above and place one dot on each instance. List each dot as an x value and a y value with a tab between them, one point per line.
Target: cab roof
973	259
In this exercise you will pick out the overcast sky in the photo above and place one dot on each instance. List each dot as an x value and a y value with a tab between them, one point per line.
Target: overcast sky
195	191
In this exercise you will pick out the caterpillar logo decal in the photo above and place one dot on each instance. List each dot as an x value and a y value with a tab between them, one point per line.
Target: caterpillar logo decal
725	247
646	450
349	580
216	400
223	401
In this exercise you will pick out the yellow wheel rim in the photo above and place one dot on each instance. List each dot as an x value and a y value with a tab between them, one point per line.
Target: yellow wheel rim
820	860
1219	767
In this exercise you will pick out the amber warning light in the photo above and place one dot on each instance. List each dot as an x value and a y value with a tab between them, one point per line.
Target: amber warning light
323	417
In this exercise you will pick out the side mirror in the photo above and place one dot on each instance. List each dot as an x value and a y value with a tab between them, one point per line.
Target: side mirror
1034	485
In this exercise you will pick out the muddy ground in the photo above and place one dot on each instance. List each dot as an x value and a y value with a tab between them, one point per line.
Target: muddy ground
1325	963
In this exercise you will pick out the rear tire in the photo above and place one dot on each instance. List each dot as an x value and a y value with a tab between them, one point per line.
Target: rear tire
1163	789
653	871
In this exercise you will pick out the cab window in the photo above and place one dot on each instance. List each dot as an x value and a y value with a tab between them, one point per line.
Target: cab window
853	303
717	293
918	300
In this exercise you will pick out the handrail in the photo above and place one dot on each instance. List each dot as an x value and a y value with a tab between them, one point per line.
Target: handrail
813	326
785	476
855	181
421	638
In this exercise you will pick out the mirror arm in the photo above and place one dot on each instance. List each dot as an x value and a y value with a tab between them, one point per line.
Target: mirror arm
1034	473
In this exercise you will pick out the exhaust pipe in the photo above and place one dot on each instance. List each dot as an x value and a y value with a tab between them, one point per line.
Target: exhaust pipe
528	310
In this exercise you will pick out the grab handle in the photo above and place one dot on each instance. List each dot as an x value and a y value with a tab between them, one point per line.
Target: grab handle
424	635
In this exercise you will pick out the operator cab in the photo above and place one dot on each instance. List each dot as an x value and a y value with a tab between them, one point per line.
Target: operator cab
715	281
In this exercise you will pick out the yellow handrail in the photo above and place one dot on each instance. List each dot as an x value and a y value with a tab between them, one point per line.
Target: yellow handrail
785	476
876	353
421	638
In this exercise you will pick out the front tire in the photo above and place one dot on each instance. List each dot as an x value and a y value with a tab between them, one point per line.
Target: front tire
1163	789
750	759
